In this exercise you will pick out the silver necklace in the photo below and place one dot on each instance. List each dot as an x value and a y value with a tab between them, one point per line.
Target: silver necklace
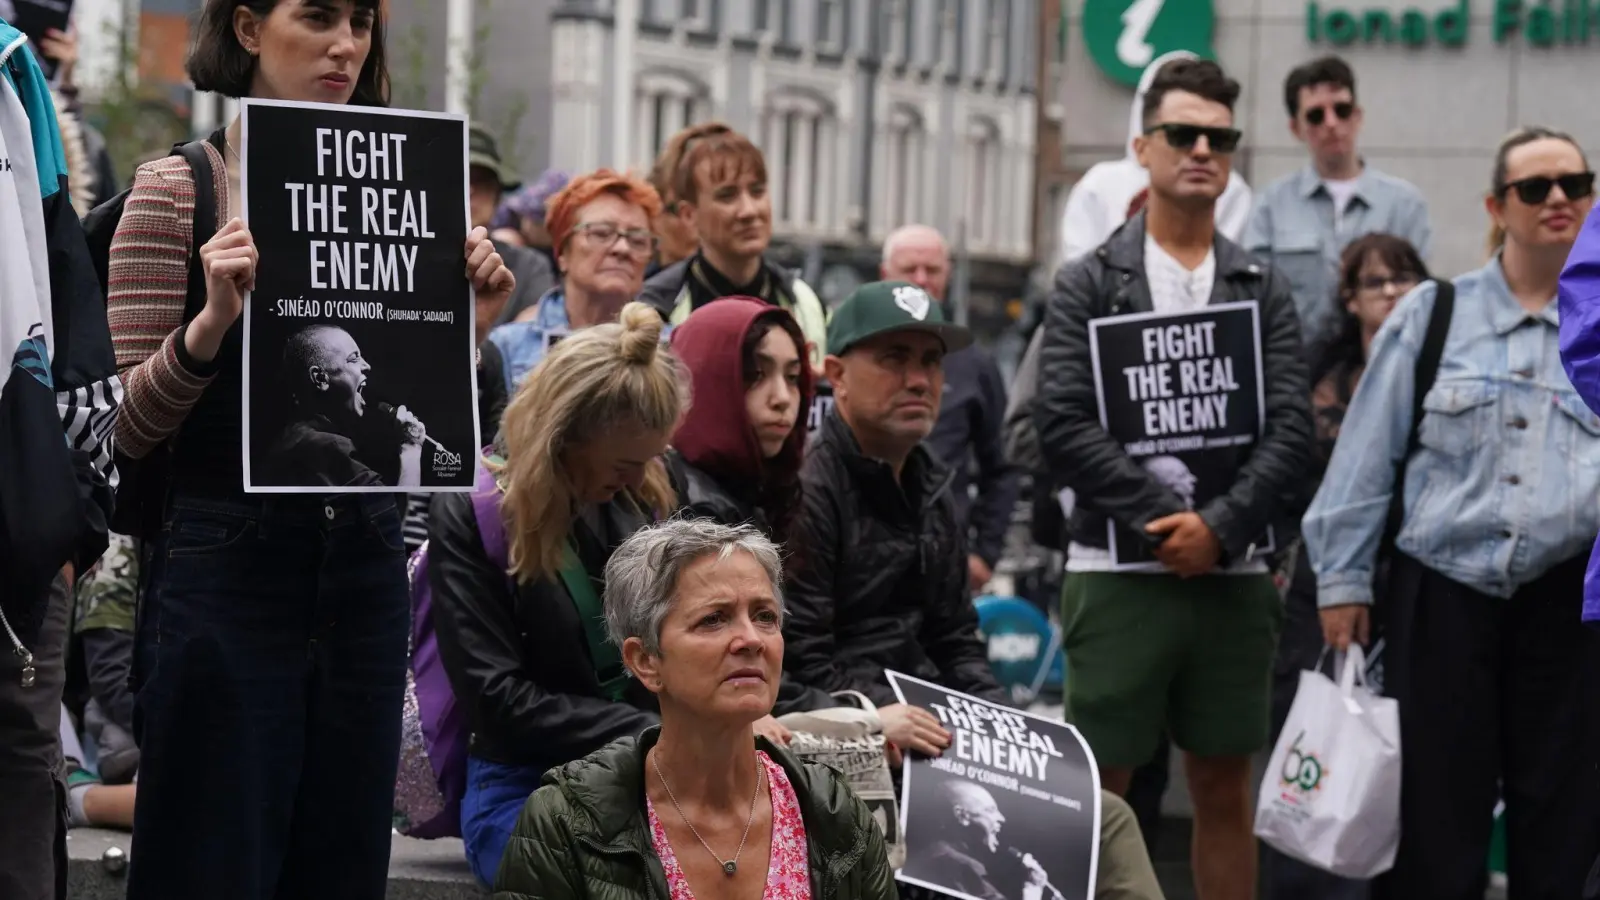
729	866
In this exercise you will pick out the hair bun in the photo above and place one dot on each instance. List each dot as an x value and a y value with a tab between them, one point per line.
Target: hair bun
641	333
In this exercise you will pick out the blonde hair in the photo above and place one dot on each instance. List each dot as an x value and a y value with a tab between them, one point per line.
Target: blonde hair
590	382
1526	134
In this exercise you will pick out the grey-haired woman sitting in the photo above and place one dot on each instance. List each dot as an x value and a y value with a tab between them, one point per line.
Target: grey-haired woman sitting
697	805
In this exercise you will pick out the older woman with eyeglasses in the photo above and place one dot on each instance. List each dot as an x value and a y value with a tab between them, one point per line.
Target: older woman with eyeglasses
599	228
697	807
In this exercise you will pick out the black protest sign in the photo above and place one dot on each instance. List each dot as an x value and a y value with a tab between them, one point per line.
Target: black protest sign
359	371
1011	809
1182	394
36	18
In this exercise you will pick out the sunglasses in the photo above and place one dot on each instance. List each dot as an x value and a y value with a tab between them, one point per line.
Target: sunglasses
1184	137
1533	191
1401	283
1316	115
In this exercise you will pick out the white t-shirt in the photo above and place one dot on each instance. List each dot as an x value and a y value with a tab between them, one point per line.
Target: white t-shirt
1342	192
1173	289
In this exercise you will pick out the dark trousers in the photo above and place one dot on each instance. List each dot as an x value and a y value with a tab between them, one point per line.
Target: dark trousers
33	824
1497	698
271	671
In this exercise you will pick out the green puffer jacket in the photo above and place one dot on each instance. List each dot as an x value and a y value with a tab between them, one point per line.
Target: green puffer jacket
585	834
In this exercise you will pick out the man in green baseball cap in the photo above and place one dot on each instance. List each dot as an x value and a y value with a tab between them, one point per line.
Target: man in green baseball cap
886	307
883	579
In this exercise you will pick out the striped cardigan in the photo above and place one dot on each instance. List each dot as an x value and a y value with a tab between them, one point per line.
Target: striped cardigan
147	285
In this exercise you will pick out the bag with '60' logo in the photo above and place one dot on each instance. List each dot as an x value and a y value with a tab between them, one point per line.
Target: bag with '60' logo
1331	795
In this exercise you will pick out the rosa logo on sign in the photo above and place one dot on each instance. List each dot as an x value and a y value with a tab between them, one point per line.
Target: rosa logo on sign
446	463
1124	36
913	300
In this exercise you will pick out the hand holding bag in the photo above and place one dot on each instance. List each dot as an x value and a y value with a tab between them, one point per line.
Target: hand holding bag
1331	796
851	740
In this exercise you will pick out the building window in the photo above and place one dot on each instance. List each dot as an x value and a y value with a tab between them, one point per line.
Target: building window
799	137
949	38
763	15
696	14
985	198
897	27
830	24
994	47
904	166
666	103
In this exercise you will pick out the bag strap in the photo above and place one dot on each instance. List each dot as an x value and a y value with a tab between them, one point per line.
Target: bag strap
1426	372
607	658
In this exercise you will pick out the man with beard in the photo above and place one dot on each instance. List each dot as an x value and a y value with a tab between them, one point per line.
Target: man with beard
329	441
1184	646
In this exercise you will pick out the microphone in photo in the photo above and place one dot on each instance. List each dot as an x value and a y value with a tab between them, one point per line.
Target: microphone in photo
1028	862
389	410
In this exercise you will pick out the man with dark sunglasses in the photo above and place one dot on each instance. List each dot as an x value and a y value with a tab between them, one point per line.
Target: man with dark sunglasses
1185	644
1303	221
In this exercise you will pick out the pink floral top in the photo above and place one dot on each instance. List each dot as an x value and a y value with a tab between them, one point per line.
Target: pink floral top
788	873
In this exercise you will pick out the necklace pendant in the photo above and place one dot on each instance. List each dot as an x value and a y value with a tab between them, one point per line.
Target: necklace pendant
730	867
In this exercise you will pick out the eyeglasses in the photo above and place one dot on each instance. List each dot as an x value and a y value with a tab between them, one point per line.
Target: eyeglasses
1533	191
1316	115
1184	137
604	234
1400	283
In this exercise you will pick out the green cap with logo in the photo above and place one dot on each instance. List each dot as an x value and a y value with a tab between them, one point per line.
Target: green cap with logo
881	307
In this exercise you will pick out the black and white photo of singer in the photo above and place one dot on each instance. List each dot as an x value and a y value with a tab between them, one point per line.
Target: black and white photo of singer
329	440
967	855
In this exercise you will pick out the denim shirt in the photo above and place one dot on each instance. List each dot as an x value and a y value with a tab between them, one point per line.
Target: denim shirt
523	344
1503	486
1293	227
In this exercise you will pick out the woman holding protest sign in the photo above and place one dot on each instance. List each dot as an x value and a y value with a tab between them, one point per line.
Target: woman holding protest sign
271	648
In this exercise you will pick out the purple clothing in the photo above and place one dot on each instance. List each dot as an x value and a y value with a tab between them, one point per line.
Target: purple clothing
1580	355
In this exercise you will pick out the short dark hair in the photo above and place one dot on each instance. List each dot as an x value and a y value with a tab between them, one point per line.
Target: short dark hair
1322	70
218	63
1200	77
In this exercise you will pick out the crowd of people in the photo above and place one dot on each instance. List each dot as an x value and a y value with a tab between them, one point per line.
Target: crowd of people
712	497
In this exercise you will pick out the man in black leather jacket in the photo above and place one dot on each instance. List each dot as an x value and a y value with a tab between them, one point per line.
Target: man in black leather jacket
879	566
1189	645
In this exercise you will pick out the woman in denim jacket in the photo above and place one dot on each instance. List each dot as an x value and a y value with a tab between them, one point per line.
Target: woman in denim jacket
1494	672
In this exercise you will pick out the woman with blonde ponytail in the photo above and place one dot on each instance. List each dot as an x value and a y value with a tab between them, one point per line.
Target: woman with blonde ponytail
578	471
1499	467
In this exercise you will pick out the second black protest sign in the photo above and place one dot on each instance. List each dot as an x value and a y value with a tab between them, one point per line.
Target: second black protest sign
359	334
1182	394
1013	803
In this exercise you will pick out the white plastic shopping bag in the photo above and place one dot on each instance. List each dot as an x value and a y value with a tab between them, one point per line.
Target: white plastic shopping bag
1331	796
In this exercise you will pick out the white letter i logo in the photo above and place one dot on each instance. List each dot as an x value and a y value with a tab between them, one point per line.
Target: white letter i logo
1132	48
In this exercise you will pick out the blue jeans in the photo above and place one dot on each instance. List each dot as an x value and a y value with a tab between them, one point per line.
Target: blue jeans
270	668
495	795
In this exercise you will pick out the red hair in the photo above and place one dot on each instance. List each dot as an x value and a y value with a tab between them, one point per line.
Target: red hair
561	214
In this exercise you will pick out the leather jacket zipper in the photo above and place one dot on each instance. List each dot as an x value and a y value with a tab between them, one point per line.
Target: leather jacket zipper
21	652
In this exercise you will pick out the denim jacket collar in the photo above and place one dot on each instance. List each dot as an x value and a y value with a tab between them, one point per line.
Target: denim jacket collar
1506	313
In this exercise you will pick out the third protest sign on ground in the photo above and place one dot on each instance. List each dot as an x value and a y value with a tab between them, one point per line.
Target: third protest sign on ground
1011	810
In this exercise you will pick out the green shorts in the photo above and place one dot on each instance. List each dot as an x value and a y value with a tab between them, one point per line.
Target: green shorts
1147	652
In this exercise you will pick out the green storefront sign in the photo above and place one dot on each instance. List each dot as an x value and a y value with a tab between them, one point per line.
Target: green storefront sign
1544	24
